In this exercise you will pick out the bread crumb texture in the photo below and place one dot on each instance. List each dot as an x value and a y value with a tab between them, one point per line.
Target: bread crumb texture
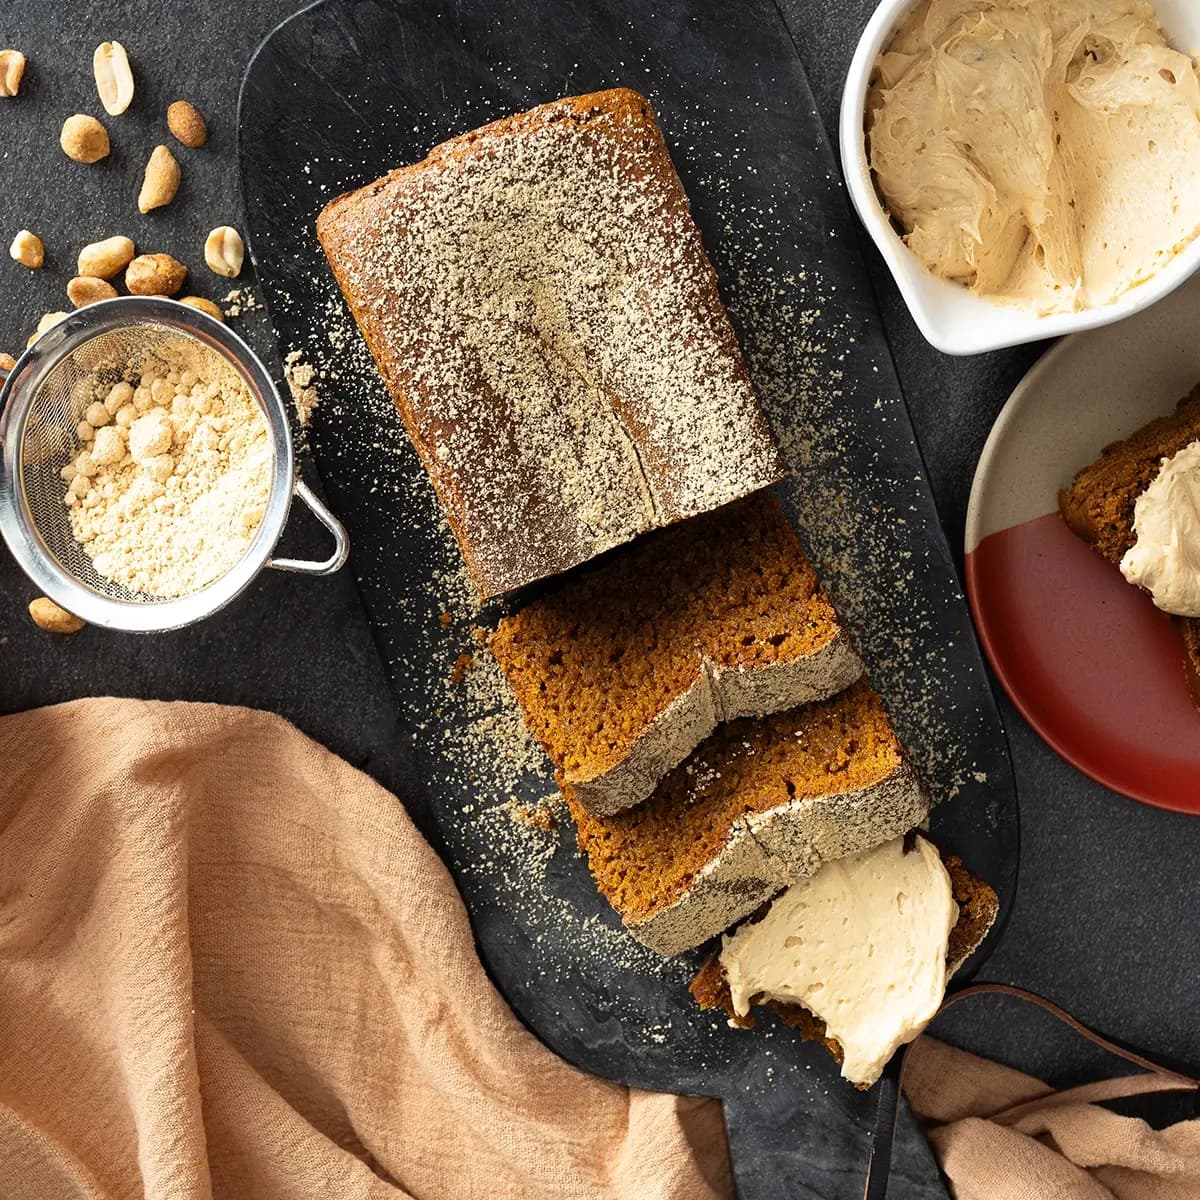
648	857
598	660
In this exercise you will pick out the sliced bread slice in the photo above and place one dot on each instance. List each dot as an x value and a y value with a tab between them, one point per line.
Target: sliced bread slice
759	805
1099	504
622	672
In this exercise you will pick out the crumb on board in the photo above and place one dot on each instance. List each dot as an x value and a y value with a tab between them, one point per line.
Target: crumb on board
241	300
301	379
545	815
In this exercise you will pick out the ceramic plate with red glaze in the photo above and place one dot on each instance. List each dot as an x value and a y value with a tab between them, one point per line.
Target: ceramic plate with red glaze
1093	666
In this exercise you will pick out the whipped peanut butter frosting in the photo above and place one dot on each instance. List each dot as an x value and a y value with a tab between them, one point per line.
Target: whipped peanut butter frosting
861	944
1045	153
1165	558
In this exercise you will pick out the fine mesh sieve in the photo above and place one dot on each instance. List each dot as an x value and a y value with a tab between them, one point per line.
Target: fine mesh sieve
41	404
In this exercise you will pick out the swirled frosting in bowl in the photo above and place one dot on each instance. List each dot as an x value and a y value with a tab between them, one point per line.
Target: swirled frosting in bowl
1044	153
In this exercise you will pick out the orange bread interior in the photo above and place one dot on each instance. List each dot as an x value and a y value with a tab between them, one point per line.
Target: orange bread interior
647	857
597	662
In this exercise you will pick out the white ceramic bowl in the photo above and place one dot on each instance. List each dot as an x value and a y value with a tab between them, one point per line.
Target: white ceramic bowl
951	317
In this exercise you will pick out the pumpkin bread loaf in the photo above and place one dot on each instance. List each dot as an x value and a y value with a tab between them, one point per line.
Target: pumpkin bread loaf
757	806
1099	504
539	302
623	671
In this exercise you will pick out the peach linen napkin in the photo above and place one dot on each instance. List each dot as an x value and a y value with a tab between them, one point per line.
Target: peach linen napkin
1001	1135
230	966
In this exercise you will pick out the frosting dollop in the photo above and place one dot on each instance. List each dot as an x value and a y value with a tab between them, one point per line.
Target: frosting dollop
1046	153
861	944
1165	558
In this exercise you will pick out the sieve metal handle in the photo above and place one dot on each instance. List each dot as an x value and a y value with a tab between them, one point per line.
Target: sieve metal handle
341	542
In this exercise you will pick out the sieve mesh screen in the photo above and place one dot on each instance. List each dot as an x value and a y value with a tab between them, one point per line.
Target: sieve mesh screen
48	441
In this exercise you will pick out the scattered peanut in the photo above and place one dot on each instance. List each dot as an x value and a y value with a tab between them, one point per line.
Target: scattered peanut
114	78
161	181
12	68
224	251
84	139
103	260
155	275
47	322
27	248
7	362
48	616
186	123
205	306
87	289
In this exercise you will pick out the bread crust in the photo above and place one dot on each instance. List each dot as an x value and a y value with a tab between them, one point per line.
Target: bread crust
504	504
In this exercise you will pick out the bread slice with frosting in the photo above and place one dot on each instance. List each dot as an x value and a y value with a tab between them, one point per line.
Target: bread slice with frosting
1099	505
758	805
976	910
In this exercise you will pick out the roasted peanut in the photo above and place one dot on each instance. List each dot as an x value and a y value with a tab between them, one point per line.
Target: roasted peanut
224	251
205	306
27	249
12	68
161	180
49	616
84	139
155	275
7	362
47	322
186	123
114	77
103	260
87	289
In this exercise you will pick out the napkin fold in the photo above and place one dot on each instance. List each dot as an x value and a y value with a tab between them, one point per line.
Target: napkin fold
999	1134
230	966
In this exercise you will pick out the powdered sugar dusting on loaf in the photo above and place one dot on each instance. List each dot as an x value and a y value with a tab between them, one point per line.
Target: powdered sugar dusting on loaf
539	299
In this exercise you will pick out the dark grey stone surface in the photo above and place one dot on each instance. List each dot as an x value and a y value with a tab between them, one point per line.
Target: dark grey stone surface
1106	911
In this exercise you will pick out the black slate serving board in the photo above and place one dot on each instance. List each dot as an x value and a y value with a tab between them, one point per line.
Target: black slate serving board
348	89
